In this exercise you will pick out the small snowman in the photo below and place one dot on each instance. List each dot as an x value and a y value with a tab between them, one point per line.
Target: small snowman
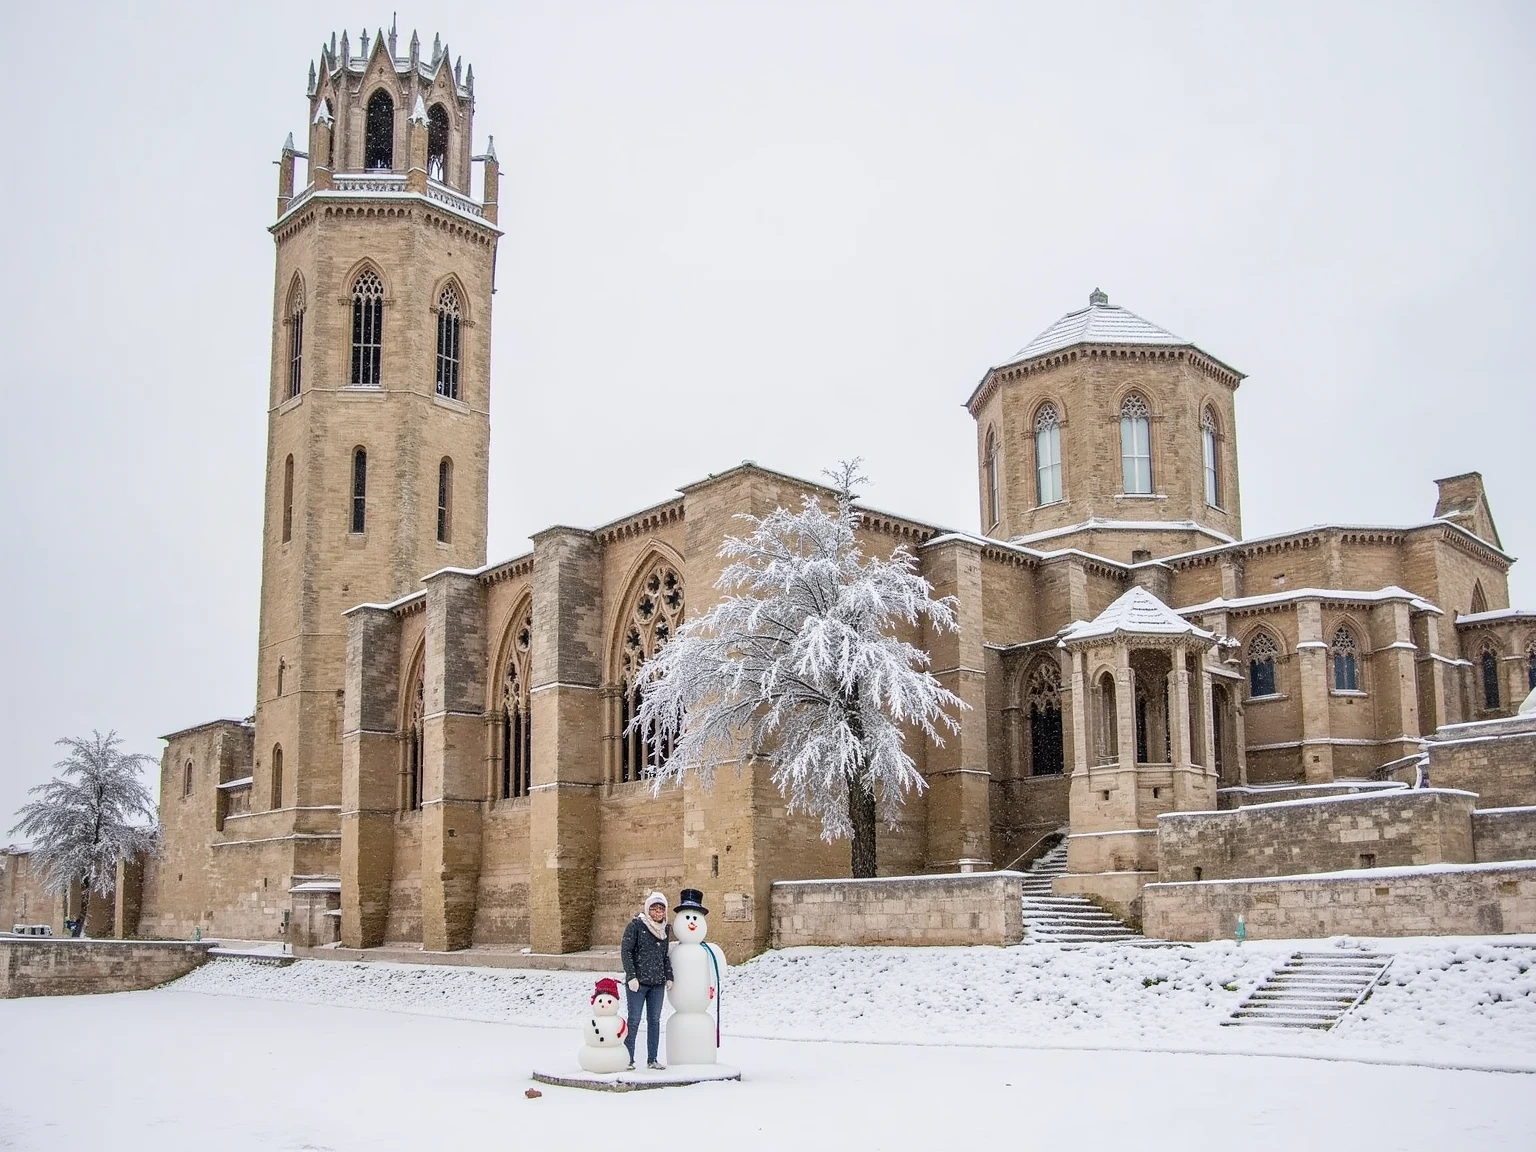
604	1032
695	966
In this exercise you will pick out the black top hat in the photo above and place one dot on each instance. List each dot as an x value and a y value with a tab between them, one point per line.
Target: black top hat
693	901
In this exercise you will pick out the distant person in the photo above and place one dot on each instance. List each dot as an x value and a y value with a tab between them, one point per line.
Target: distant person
648	973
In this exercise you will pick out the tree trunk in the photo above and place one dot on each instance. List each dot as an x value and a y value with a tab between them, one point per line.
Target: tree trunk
85	907
861	811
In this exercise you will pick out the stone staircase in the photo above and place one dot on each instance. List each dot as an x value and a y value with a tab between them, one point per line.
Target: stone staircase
1312	990
1071	920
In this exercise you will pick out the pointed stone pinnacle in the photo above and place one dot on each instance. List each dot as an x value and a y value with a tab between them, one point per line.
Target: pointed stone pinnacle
490	149
288	144
419	113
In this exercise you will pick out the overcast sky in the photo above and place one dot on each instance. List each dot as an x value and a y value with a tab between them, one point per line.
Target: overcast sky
780	232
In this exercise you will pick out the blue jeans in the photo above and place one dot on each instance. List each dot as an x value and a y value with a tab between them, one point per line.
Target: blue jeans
650	998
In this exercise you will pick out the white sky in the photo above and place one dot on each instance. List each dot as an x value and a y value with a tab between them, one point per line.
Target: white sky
785	232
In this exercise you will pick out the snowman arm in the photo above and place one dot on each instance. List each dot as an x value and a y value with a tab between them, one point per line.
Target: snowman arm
623	1027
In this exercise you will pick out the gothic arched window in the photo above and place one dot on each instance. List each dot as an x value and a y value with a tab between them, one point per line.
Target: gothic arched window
359	489
990	466
444	500
516	715
449	321
1136	445
186	780
437	143
296	338
277	776
656	615
1262	651
1489	665
414	742
1346	668
1530	664
367	329
288	499
282	669
1043	698
1048	454
1479	601
379	134
1106	720
1212	464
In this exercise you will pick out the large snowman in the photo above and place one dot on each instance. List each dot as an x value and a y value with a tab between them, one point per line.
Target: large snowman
695	985
603	1035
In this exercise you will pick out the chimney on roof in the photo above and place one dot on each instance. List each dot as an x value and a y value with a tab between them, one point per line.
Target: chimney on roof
1097	297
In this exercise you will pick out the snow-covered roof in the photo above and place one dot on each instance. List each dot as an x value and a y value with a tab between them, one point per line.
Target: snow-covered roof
1099	323
1495	616
232	785
1137	613
1102	524
1380	596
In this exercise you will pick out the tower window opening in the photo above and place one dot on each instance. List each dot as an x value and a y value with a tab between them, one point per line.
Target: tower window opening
288	499
449	324
990	465
282	667
1479	601
1530	665
1212	466
1048	454
379	133
296	340
186	780
1490	670
415	745
1262	651
1043	696
367	329
444	500
359	489
437	143
1136	446
277	776
1346	667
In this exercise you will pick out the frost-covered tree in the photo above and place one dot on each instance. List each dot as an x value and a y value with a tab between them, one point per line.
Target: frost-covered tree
95	812
798	666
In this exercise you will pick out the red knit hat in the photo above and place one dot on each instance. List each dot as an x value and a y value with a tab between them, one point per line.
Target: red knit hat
607	986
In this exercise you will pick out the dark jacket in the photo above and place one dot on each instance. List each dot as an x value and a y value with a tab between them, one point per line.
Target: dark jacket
646	958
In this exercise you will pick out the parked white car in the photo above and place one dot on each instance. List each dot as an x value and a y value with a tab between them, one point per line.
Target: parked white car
31	930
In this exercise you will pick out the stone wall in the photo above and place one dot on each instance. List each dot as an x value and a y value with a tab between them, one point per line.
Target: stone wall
1504	834
1494	758
1439	900
65	967
1385	829
959	908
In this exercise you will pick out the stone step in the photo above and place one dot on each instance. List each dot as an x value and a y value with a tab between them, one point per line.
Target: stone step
1312	990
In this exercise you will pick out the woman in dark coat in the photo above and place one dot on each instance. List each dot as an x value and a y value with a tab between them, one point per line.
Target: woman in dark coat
646	952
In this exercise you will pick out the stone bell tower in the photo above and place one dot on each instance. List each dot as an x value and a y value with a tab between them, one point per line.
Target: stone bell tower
378	421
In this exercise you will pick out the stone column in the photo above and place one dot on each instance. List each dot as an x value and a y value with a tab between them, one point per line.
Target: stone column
1080	702
1125	708
1394	680
370	766
1314	679
453	767
959	800
1185	783
567	748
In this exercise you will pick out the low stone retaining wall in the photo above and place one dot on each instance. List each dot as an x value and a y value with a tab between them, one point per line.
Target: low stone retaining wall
1504	834
1437	900
49	966
959	908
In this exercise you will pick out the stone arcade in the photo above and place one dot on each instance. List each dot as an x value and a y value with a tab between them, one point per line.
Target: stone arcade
438	751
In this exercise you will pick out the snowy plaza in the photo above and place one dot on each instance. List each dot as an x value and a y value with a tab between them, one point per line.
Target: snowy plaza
840	1048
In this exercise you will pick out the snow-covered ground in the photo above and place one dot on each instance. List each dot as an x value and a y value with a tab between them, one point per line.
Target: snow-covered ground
841	1048
1446	1001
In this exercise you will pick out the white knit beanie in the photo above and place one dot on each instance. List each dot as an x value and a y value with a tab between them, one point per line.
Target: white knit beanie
653	898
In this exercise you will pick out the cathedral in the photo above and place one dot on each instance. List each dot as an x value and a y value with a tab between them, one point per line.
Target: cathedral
440	753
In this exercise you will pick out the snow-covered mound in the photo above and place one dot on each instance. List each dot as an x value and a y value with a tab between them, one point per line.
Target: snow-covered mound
1463	1002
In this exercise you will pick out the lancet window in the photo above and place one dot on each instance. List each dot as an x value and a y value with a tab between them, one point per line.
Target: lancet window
1530	664
1262	653
1047	454
444	500
655	617
186	780
1489	666
288	499
1106	720
415	743
359	489
379	132
437	143
1136	445
367	329
516	768
449	326
296	339
277	776
1346	663
1212	464
1043	699
990	464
